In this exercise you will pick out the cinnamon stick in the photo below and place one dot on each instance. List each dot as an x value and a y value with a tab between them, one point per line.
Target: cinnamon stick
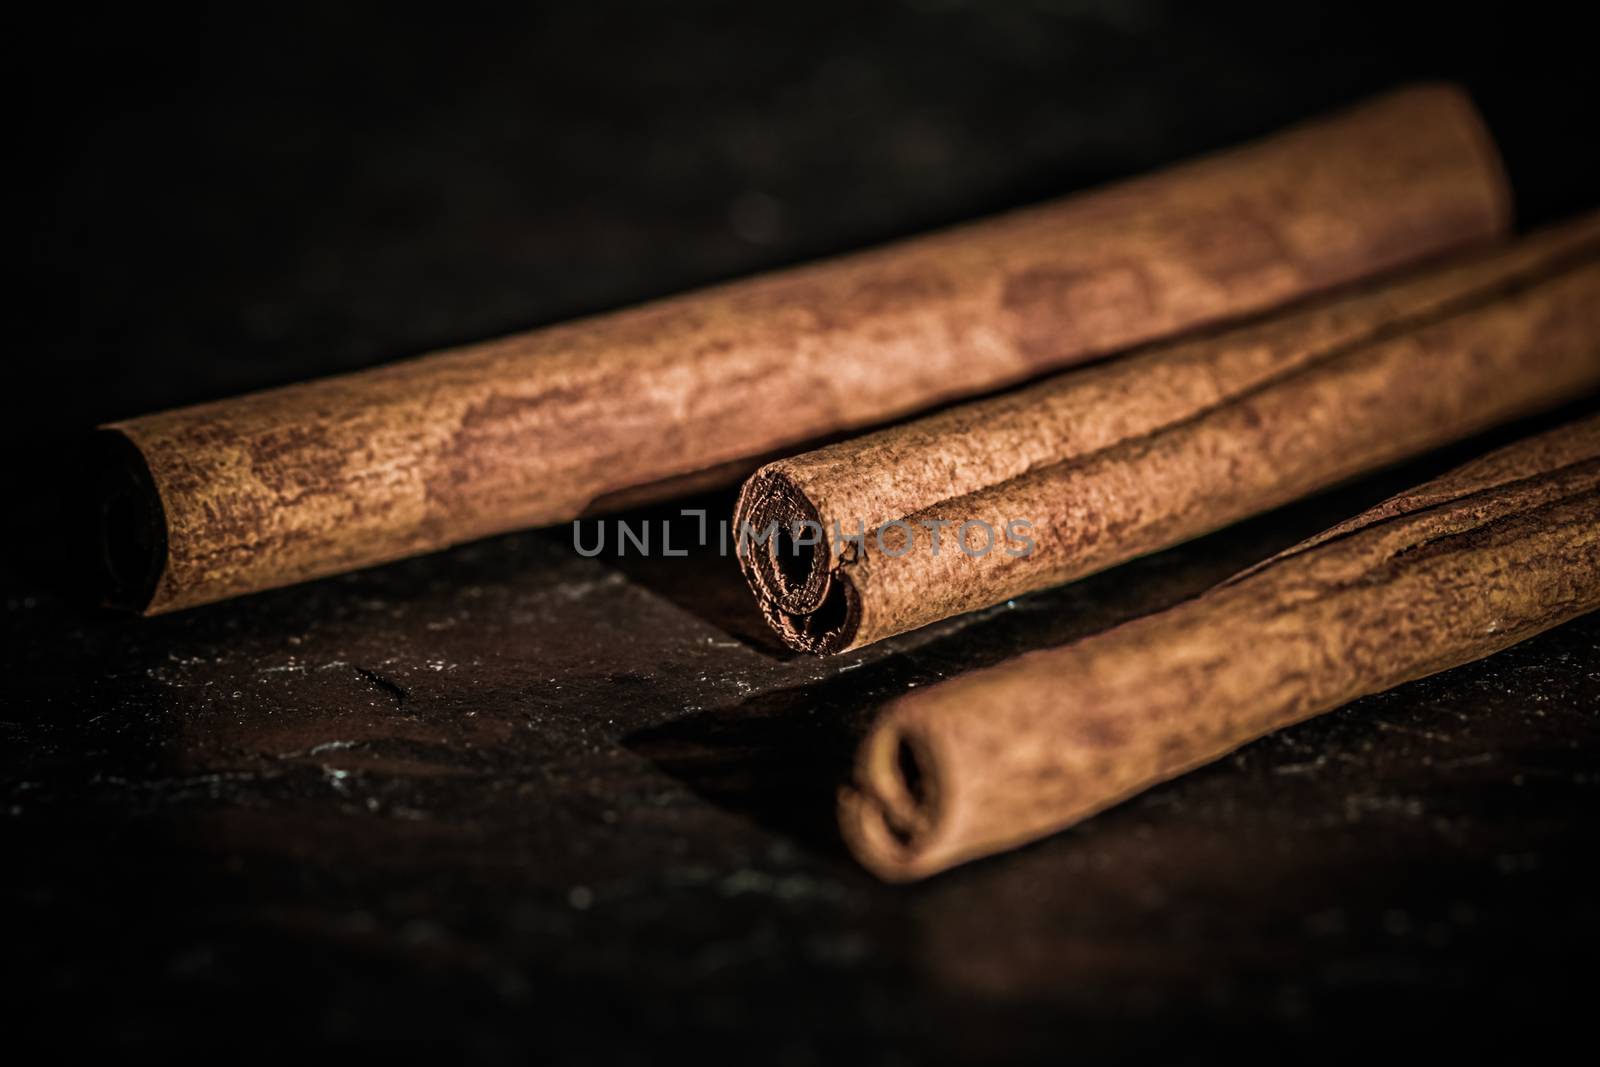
1469	564
967	508
227	498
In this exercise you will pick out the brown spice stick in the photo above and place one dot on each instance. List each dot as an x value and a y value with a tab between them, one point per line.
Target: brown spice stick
226	498
1478	560
1129	457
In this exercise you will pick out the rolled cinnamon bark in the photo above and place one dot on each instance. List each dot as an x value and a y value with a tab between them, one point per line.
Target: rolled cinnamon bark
870	537
1478	560
278	487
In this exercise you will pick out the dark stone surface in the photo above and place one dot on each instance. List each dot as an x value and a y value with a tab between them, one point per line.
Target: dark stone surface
505	802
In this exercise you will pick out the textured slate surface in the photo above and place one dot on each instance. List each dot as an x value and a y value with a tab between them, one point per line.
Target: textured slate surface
506	800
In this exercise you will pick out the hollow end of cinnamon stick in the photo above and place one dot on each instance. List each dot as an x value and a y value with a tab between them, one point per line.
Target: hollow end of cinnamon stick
812	608
787	570
829	629
130	523
892	818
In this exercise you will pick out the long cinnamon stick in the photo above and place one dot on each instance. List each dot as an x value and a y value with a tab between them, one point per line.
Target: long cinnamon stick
1471	563
870	537
246	494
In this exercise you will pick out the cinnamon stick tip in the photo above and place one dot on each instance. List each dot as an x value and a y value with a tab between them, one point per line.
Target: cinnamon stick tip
891	817
810	606
829	630
1487	148
130	522
784	569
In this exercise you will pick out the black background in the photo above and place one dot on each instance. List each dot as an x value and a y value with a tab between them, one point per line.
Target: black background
604	839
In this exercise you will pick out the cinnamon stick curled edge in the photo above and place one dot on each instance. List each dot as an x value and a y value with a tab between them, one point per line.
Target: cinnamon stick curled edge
264	490
867	538
1469	564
